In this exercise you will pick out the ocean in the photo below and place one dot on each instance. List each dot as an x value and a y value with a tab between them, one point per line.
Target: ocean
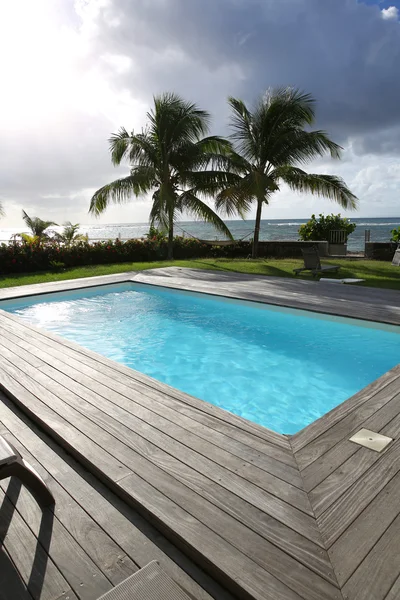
271	229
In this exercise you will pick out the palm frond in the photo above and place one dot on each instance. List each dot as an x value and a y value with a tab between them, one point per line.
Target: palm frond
37	225
329	186
299	146
2	212
287	107
119	145
140	181
237	199
174	121
242	126
136	149
189	202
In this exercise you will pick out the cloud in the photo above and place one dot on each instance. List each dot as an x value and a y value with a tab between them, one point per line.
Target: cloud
341	51
391	13
87	68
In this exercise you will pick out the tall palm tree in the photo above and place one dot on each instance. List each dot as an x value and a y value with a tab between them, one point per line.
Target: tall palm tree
70	234
271	142
37	226
171	159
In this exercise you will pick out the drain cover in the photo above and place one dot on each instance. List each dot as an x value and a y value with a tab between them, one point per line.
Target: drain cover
370	439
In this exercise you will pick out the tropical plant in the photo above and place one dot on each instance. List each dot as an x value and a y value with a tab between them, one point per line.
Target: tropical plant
395	235
171	159
2	213
318	229
156	234
70	234
38	228
270	144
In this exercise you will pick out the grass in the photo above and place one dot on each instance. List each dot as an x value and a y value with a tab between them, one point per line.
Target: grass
376	273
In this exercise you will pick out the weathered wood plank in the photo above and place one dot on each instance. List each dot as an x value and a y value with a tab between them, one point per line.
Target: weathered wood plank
380	569
122	396
344	428
51	421
316	429
264	555
11	584
331	460
196	531
335	520
394	593
72	521
251	576
180	443
175	468
329	490
357	541
38	572
124	528
154	455
171	486
73	563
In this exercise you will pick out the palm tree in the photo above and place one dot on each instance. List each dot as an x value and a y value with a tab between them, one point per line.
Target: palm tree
171	159
37	226
70	234
2	212
270	144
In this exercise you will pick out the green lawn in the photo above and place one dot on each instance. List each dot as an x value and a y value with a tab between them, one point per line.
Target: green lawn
376	273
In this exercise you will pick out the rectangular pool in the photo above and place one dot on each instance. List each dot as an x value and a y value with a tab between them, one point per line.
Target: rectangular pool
282	368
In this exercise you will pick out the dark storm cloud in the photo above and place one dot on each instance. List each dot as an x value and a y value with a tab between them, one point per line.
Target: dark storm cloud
341	51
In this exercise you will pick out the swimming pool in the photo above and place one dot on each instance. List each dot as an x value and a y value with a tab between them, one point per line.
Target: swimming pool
281	368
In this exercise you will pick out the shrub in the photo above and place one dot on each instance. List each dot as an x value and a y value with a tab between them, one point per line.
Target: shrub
395	235
156	234
318	229
22	257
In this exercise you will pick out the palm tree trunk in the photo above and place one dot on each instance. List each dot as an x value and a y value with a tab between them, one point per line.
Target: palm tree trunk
257	228
171	236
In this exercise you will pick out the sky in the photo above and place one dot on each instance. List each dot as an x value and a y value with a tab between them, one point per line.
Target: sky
74	72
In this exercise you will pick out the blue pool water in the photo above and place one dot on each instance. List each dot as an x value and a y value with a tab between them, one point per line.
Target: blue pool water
278	367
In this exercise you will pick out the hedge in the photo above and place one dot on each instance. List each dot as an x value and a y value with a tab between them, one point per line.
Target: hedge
19	257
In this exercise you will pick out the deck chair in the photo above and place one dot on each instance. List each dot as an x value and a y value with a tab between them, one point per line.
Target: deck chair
149	583
13	465
312	263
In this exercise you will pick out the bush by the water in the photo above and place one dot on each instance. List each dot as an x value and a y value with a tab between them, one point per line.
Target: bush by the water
395	235
318	230
22	257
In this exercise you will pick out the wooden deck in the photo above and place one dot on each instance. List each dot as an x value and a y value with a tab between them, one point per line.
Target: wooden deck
312	517
89	543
